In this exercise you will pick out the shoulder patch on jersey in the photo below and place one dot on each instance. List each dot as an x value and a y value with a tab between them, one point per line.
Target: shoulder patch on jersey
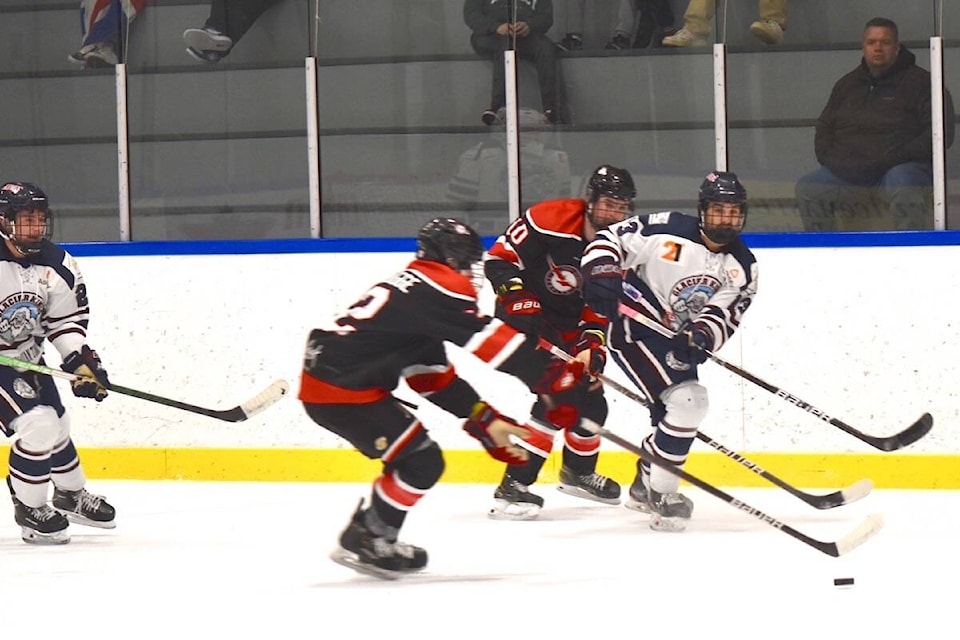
444	277
563	218
662	217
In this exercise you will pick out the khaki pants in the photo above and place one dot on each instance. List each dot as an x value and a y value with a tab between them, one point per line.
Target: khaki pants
699	14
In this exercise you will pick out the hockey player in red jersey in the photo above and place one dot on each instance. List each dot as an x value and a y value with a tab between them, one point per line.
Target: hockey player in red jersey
534	268
693	278
396	330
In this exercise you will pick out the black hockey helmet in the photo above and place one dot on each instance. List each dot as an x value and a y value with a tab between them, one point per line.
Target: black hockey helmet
450	242
722	186
17	197
611	181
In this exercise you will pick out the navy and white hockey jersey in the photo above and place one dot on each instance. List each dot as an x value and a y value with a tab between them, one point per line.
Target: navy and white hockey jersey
671	277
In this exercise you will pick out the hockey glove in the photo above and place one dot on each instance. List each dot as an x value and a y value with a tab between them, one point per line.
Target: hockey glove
87	363
690	345
493	430
521	308
560	376
591	352
602	289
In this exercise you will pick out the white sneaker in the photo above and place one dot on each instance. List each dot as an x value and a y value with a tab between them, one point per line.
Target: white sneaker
768	31
684	38
98	54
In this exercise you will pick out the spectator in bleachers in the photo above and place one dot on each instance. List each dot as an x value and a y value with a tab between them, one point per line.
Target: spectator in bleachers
641	23
103	30
874	143
228	21
699	14
494	27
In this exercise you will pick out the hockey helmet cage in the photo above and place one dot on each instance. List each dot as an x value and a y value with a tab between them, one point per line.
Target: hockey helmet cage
451	242
722	186
17	197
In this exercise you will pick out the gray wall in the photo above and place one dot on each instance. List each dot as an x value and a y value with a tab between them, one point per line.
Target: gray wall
220	151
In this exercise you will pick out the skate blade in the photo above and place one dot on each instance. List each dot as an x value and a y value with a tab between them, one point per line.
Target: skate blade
42	539
669	525
577	492
637	505
503	510
87	522
347	559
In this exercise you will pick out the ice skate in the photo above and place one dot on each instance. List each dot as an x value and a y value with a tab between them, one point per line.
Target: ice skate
637	497
591	486
669	511
380	556
514	501
83	507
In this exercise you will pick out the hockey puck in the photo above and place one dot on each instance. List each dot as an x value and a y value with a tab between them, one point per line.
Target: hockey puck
843	582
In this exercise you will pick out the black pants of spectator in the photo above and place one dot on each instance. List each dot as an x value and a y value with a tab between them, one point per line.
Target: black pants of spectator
234	17
540	49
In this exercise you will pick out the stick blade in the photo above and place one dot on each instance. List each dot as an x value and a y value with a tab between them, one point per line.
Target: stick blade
866	530
912	433
854	492
857	491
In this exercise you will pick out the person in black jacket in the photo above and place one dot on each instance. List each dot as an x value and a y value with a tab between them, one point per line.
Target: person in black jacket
874	143
494	24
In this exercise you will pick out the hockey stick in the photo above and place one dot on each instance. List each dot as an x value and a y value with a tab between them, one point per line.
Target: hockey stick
864	531
906	437
850	494
251	407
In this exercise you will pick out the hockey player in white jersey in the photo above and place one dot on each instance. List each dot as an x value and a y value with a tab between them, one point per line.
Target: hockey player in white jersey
43	296
695	277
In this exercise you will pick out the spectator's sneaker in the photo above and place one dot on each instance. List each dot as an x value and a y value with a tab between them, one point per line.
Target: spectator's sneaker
619	42
684	38
207	45
571	42
489	117
98	54
550	115
768	31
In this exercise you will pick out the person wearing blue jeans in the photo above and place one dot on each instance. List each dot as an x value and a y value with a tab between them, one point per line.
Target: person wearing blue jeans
874	143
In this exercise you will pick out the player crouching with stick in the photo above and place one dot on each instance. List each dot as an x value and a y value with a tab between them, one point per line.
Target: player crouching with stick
397	329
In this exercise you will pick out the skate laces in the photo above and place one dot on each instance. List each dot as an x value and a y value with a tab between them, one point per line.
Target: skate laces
88	501
43	513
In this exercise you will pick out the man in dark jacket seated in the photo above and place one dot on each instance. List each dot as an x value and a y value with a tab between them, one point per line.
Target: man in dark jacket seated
874	144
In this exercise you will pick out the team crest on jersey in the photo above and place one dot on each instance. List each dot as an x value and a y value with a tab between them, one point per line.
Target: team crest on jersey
23	389
561	279
20	316
690	295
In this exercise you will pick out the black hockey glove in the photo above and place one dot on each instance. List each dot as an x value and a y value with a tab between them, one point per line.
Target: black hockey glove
691	344
87	363
520	308
591	341
602	289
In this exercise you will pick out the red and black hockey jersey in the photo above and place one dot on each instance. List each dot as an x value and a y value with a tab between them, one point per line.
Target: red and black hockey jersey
543	248
397	329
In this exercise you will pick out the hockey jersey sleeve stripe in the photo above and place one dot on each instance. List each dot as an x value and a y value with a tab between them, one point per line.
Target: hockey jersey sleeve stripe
495	343
427	380
317	391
